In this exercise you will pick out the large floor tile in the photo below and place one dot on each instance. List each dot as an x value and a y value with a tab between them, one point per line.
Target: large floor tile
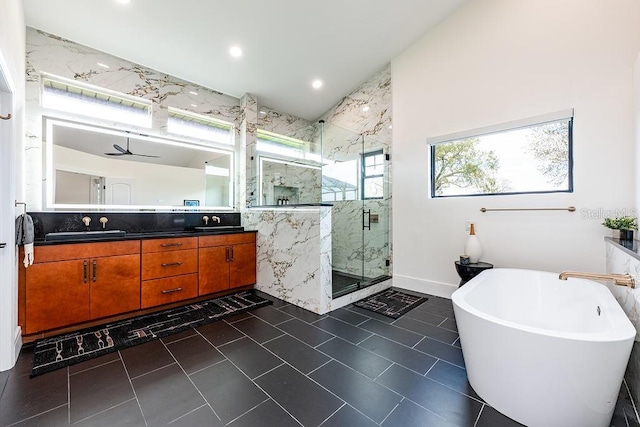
452	376
165	395
219	333
195	353
368	397
305	332
370	314
202	416
347	416
435	348
26	397
257	329
55	417
355	357
427	330
229	392
124	415
492	418
450	405
271	314
391	332
298	395
400	354
342	329
266	414
146	357
296	353
98	389
348	316
92	363
250	357
409	414
301	313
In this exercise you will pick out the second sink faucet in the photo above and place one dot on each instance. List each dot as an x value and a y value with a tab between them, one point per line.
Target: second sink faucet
213	219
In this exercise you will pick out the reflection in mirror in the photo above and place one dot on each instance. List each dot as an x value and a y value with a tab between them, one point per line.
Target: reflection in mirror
288	183
90	167
289	167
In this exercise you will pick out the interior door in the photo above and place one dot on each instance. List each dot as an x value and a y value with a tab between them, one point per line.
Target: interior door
8	272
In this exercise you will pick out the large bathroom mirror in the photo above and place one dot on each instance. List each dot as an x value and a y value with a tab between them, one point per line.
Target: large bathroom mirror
289	183
289	167
89	167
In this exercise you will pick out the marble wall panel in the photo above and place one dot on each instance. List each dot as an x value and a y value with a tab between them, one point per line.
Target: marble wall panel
294	255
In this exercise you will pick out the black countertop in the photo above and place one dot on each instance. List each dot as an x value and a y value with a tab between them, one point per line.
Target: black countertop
629	246
140	236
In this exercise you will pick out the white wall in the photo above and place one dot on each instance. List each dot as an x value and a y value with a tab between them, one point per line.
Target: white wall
12	47
494	61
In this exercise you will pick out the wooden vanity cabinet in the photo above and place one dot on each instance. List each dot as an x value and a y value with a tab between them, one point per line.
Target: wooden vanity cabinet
169	270
226	262
74	283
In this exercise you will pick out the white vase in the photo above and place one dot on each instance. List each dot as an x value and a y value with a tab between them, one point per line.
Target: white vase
473	248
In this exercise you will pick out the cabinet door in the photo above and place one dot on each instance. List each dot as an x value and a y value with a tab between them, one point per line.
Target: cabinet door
57	294
115	285
243	265
213	270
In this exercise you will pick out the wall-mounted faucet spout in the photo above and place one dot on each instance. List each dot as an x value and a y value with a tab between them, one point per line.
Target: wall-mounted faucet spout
618	279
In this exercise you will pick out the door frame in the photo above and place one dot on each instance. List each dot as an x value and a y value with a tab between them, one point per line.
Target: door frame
10	333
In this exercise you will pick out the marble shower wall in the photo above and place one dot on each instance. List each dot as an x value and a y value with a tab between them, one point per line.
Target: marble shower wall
350	130
294	254
64	58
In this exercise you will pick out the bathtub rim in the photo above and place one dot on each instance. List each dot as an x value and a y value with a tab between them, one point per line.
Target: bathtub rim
624	329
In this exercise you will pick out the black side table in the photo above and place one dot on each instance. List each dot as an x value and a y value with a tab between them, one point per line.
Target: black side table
469	271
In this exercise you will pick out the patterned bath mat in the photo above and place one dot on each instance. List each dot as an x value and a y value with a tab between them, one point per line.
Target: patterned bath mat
57	352
390	303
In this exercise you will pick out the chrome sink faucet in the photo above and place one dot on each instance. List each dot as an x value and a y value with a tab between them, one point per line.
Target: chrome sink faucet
618	279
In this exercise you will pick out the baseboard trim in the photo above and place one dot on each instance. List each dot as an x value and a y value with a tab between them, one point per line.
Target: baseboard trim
424	286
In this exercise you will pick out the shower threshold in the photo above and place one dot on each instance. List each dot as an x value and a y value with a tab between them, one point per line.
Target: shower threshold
344	283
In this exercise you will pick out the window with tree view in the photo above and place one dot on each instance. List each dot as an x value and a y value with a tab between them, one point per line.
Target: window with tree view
510	159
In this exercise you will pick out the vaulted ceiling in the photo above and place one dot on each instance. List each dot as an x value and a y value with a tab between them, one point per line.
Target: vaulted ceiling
286	43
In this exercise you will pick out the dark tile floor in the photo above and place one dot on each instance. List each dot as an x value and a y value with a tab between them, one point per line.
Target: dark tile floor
276	366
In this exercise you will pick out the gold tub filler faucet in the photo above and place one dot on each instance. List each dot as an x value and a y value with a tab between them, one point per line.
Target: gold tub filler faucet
618	279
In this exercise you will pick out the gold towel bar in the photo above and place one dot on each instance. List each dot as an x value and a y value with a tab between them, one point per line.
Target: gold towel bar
570	209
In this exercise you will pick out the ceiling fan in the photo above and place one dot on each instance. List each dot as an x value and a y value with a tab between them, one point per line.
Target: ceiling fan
127	152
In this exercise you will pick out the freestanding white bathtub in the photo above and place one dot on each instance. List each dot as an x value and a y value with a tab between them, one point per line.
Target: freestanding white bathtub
543	351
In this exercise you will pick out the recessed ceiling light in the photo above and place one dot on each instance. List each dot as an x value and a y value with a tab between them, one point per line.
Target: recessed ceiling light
193	92
365	108
235	51
103	65
124	1
316	84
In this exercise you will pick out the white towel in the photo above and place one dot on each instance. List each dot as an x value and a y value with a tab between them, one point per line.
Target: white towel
28	254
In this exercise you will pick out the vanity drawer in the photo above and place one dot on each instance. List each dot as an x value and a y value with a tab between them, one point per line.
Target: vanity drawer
166	264
65	252
226	239
172	289
171	244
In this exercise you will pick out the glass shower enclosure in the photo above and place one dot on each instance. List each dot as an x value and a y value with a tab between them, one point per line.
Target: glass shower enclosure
355	181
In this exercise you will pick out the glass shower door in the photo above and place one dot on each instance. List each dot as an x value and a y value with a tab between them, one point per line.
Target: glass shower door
354	181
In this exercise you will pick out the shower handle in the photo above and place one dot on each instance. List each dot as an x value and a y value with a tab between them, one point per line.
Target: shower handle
366	224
